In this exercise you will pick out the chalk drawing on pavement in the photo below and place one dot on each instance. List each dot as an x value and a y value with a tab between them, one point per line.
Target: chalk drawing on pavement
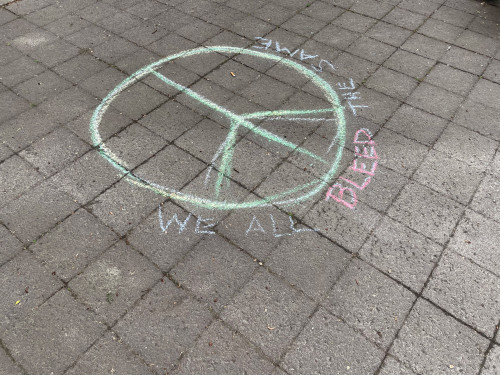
225	152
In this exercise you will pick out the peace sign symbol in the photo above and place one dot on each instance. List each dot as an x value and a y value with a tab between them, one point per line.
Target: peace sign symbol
225	152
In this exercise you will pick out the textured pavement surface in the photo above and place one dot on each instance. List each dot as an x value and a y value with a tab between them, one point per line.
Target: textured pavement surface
328	203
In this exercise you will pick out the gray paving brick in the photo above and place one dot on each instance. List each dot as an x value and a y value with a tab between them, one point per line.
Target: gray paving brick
390	34
54	53
7	55
41	87
269	313
431	340
425	7
410	64
221	270
425	46
466	145
106	356
453	16
46	341
33	40
145	34
475	239
137	59
486	198
451	79
355	296
492	364
416	124
493	71
392	83
440	30
350	66
80	67
135	144
73	244
151	239
9	245
354	22
87	177
37	211
67	25
485	27
371	8
222	351
273	13
25	280
68	104
12	104
449	176
16	177
163	326
26	7
404	18
391	366
147	9
47	155
7	365
399	153
349	228
250	26
457	278
322	11
203	139
176	73
478	43
26	128
113	49
241	229
15	28
426	212
124	205
435	100
303	25
46	15
6	16
382	188
114	282
295	257
486	92
336	37
198	31
137	100
267	92
119	22
88	37
476	116
402	253
465	60
101	83
97	11
335	346
170	120
5	152
371	50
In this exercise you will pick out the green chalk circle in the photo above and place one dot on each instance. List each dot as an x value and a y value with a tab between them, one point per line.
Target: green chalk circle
225	152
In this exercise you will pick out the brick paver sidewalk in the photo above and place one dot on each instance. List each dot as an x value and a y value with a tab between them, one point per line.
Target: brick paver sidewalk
316	192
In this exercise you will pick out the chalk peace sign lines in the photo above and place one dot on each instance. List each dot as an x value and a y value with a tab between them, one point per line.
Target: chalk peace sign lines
222	160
